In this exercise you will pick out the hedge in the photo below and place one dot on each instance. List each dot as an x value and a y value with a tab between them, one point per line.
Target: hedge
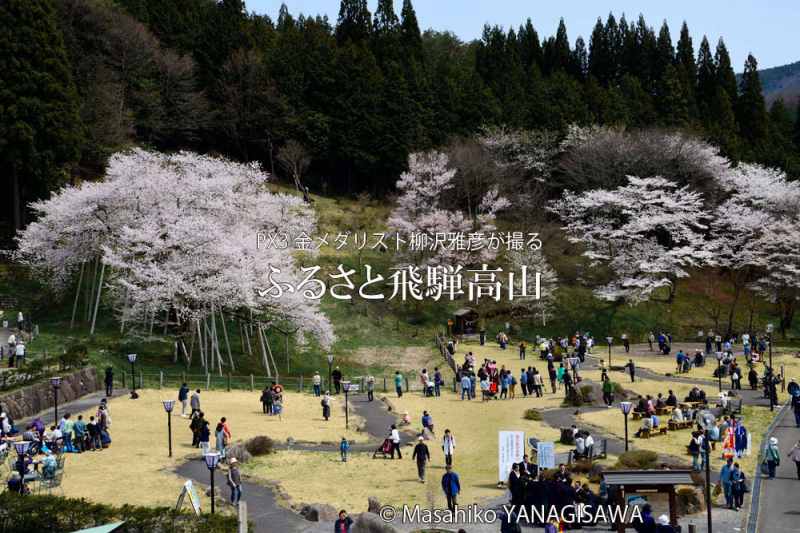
34	514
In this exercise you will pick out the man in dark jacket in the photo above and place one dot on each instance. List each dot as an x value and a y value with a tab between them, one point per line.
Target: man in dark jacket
451	487
183	397
336	375
109	381
422	455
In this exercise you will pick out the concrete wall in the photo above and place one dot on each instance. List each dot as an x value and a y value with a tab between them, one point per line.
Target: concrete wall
28	401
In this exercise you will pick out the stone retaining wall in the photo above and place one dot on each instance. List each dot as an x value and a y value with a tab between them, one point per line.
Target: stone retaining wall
38	397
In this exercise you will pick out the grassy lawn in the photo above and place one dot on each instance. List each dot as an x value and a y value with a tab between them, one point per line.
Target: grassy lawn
756	420
135	469
475	426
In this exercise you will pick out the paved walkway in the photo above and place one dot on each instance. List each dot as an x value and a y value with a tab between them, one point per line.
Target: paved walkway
779	504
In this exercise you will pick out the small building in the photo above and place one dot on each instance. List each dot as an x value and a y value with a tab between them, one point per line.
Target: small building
465	322
631	482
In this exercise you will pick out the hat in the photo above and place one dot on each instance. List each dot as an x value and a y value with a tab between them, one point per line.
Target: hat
663	520
773	440
421	437
232	461
2	415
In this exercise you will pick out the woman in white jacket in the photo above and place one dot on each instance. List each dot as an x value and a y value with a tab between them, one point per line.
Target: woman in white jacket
448	447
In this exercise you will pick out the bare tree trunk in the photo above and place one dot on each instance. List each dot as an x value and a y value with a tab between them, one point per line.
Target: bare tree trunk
122	318
264	357
227	342
91	291
737	291
269	350
77	296
97	301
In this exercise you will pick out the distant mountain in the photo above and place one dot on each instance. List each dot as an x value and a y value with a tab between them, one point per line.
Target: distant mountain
781	82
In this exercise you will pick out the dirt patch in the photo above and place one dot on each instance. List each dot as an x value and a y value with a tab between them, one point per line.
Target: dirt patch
404	359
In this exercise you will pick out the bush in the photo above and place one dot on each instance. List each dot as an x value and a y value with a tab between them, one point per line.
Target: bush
62	515
688	502
532	414
637	460
586	393
239	452
260	445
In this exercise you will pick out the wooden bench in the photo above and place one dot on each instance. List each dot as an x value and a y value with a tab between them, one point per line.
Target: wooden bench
662	431
662	411
637	415
644	434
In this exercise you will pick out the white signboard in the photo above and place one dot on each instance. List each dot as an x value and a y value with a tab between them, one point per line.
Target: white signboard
353	388
189	490
546	454
511	448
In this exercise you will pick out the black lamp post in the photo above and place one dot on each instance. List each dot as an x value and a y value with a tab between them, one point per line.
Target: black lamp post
212	460
719	369
770	329
168	405
346	386
330	367
707	452
609	340
132	359
626	407
55	381
22	448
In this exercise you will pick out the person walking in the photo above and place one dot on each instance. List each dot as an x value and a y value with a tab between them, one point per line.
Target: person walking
451	487
194	401
20	321
370	388
551	371
266	400
449	447
608	392
772	456
219	437
522	350
438	381
651	338
398	384
204	436
394	436
523	380
183	397
796	410
626	343
631	369
726	480
794	455
316	380
538	383
234	481
109	381
422	455
326	406
337	380
738	486
344	447
466	387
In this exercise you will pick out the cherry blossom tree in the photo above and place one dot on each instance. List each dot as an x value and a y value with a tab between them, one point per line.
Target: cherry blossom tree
648	233
755	235
178	236
537	265
423	211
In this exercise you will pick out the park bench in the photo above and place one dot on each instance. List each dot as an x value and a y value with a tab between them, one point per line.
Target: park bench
644	433
662	431
637	415
661	411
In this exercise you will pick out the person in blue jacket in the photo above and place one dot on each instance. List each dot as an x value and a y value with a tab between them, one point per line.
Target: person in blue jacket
451	487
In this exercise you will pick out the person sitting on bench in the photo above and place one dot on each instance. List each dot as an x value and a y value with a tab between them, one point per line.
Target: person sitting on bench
677	415
647	426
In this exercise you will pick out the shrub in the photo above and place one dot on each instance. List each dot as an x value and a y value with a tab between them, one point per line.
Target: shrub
586	393
532	414
260	445
637	460
688	501
239	452
62	515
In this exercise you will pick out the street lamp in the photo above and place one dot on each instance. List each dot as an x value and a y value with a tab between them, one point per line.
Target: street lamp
609	340
719	369
330	366
22	448
770	328
626	407
55	381
168	404
346	386
212	460
132	359
707	451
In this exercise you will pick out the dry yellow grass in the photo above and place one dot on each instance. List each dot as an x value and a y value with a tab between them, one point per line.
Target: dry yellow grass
756	420
475	426
135	469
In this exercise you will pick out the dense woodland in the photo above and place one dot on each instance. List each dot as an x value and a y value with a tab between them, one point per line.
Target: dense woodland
342	102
